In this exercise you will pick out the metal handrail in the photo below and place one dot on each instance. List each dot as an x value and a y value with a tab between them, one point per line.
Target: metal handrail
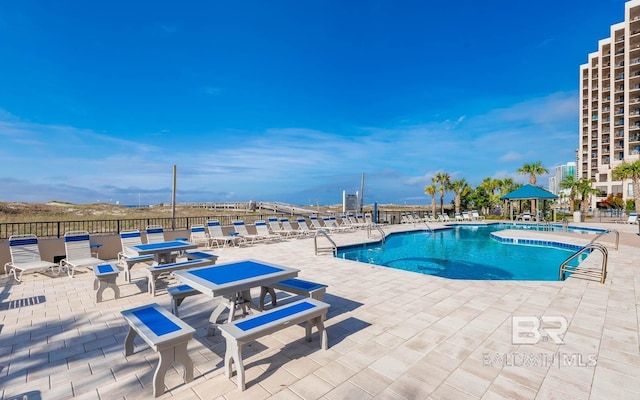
378	228
428	227
333	248
607	232
574	270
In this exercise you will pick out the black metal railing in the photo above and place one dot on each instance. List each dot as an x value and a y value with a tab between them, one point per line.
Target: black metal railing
57	229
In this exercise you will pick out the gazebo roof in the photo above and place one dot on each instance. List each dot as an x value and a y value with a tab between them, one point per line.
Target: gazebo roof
528	192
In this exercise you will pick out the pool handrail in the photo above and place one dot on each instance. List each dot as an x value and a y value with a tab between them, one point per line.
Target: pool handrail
605	233
574	270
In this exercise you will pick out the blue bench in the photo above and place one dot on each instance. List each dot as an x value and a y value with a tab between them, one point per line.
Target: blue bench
178	294
128	263
200	255
242	332
164	333
155	272
297	286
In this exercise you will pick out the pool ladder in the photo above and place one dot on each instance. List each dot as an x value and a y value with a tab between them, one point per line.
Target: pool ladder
608	231
333	248
584	271
377	227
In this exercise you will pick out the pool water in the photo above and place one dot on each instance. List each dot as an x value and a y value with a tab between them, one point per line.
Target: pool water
463	252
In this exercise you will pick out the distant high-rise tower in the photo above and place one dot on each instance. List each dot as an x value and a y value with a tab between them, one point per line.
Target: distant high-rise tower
610	106
559	173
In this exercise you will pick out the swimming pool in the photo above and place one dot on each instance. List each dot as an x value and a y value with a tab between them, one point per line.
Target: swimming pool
463	252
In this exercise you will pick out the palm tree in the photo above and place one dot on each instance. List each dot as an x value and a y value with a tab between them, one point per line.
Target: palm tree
570	182
431	190
459	187
491	185
506	186
630	171
532	170
585	190
443	179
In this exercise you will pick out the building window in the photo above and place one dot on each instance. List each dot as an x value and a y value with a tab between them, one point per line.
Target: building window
615	189
603	178
630	190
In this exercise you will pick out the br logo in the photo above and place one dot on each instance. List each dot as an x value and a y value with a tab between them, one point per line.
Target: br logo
532	330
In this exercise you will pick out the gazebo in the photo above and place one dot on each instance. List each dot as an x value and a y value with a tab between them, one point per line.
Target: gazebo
528	192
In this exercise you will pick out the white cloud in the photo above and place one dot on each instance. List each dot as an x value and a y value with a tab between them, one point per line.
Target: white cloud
281	163
511	156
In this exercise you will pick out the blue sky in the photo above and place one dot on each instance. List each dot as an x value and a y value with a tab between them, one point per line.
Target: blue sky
285	100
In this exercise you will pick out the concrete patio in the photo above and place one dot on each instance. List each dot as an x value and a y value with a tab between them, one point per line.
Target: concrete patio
392	335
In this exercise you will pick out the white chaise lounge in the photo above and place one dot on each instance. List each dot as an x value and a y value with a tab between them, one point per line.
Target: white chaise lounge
25	257
77	245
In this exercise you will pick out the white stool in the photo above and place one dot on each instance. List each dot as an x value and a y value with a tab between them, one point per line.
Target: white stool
106	275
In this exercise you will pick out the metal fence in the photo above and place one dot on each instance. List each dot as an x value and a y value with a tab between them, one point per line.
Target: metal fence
57	229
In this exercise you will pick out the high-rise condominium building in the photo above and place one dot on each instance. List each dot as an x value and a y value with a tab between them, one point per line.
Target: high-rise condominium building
559	173
610	107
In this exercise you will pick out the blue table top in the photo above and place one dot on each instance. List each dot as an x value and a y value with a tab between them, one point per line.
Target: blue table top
233	277
157	323
235	272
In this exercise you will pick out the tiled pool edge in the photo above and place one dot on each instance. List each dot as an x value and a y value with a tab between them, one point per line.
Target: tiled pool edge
536	242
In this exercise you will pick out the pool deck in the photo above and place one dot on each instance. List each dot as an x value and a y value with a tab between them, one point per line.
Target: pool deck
392	334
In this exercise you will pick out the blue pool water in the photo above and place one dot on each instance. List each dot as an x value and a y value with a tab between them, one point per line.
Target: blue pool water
463	252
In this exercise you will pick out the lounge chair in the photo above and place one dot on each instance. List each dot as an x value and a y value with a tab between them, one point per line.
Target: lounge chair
25	257
404	219
276	228
315	222
241	228
215	234
263	230
369	219
332	225
304	227
77	246
458	216
286	227
444	218
199	235
345	223
632	219
127	257
476	216
155	234
361	221
465	216
353	221
333	222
